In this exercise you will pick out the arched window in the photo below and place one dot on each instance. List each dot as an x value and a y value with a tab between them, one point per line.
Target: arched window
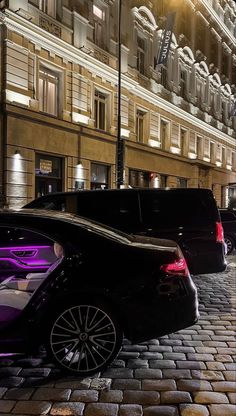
141	43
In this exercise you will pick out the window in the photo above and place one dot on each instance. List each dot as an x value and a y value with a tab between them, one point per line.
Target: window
99	176
48	6
183	83
99	19
140	54
183	140
163	181
182	183
164	76
140	125
48	91
163	133
100	104
139	179
48	174
118	210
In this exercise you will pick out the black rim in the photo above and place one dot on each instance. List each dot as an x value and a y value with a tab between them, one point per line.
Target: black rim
83	338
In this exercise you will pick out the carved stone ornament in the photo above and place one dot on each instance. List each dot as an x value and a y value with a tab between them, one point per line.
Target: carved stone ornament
50	26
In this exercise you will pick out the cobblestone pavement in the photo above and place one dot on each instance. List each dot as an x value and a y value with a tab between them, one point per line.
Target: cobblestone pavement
188	373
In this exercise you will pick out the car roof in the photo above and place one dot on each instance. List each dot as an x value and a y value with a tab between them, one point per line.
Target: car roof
128	190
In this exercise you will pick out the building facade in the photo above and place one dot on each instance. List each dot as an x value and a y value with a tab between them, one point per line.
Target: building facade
59	96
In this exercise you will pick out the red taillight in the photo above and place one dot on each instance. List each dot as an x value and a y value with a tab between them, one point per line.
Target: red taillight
219	232
178	267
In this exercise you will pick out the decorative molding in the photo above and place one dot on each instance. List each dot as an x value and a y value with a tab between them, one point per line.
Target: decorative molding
49	26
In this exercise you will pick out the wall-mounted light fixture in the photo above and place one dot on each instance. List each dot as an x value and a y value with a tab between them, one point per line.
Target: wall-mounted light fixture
17	154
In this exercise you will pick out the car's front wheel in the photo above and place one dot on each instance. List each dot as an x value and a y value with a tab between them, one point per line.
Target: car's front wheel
84	338
230	244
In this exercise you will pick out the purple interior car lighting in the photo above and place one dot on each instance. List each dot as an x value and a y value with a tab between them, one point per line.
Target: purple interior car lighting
24	248
21	265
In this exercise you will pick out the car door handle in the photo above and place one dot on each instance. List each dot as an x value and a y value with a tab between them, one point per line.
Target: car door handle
24	253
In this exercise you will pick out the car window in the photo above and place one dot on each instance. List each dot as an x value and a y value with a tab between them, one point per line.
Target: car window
116	209
23	251
164	210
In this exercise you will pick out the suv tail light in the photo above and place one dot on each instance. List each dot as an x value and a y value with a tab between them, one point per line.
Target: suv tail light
219	232
178	267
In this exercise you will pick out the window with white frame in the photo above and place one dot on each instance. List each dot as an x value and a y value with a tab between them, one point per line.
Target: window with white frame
48	91
140	55
183	140
99	25
100	110
140	120
48	6
164	127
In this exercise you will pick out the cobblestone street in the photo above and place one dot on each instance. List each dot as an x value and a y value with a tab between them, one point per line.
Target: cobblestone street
189	373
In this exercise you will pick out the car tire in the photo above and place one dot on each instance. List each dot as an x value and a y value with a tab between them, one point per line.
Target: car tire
84	338
230	244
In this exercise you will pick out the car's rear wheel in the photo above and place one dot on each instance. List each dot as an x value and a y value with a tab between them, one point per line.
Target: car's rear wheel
230	244
84	338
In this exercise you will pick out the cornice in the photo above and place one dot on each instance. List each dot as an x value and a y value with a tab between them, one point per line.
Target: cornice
73	54
219	21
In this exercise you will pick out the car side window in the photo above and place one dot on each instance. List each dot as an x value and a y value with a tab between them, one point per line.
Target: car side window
164	211
24	251
116	209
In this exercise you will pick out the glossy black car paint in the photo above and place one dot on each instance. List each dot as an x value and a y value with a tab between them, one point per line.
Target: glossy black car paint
102	265
187	216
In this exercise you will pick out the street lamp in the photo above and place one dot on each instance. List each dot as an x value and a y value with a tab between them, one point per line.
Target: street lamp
120	141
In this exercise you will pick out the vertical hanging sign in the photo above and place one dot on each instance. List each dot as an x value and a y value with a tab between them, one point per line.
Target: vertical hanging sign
166	40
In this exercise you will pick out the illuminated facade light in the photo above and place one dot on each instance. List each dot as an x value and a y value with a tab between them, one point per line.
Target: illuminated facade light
80	118
12	97
192	155
124	133
154	143
175	150
206	159
218	163
229	167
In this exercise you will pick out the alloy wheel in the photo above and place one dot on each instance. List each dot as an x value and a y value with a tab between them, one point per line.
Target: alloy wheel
84	339
230	245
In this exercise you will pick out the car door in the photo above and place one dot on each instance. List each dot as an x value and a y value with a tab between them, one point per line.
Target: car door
23	251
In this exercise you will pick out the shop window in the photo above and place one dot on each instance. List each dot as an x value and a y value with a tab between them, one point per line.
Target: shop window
163	181
48	6
100	110
140	55
139	179
182	183
48	91
48	174
99	176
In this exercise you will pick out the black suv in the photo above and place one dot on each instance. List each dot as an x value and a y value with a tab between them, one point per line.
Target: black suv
188	216
228	218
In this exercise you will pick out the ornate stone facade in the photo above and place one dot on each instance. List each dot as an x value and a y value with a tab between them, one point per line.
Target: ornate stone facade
70	51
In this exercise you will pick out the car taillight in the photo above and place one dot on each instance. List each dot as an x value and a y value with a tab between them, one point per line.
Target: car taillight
219	232
178	267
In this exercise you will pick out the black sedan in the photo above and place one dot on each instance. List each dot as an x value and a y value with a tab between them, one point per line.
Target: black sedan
77	286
